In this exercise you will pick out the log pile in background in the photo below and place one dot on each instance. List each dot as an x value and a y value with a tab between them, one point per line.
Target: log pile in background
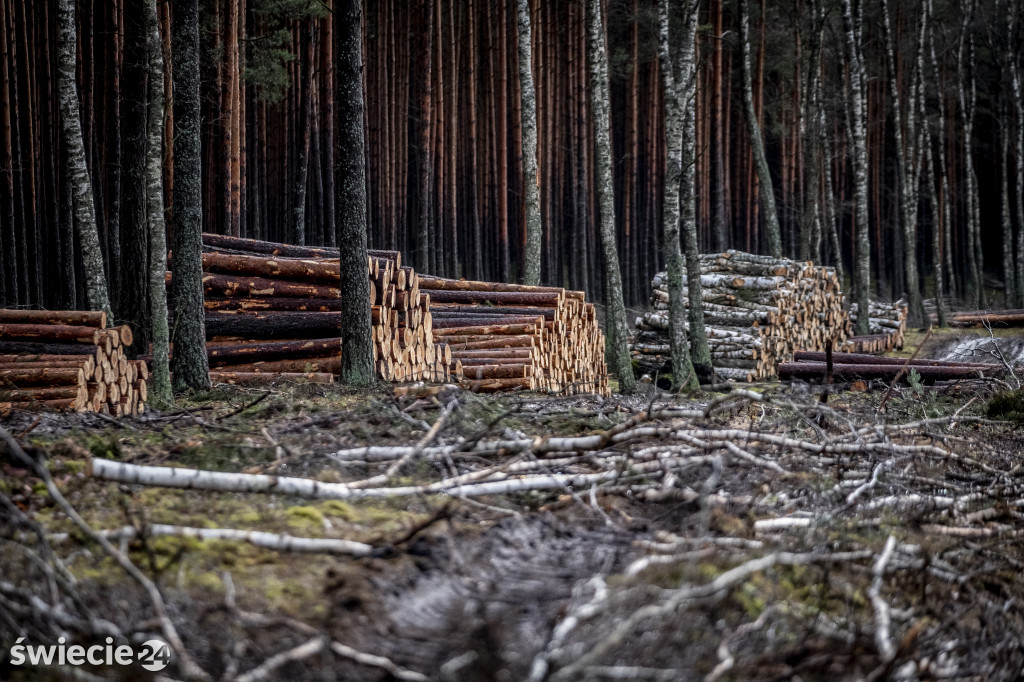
812	366
68	360
501	336
758	311
986	318
508	336
888	326
274	310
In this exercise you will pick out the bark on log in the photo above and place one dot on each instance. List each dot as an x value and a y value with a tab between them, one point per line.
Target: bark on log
485	330
329	365
81	318
516	371
494	297
271	350
840	372
273	325
280	303
263	378
866	359
300	270
50	332
42	376
498	385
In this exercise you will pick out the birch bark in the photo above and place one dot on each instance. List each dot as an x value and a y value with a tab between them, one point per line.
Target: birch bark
531	274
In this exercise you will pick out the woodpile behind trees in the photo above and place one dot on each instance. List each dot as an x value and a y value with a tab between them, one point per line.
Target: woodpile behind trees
758	311
68	360
273	308
814	366
888	326
274	311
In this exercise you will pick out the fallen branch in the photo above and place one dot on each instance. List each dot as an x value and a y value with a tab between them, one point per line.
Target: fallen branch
275	541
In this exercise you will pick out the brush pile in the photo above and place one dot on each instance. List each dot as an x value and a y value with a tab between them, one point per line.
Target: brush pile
758	311
68	360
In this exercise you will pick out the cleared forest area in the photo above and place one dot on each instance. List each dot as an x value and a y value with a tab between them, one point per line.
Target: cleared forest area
758	533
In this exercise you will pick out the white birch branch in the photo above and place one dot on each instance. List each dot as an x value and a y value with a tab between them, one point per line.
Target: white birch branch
275	541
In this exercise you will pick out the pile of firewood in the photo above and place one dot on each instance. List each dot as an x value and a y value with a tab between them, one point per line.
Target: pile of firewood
814	366
68	360
888	326
509	336
758	311
273	312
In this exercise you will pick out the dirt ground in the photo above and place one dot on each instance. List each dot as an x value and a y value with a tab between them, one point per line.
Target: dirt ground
759	535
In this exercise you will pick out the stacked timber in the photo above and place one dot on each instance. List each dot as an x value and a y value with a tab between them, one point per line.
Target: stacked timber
758	311
814	366
275	310
69	361
509	336
887	329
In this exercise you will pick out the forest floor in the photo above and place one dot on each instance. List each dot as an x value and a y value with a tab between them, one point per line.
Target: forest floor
760	534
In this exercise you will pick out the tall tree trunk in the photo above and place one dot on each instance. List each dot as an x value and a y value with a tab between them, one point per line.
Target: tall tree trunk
425	176
8	240
356	332
71	129
1018	104
810	221
301	224
853	24
936	214
531	271
771	218
160	382
700	354
682	366
907	157
133	304
967	95
617	351
1004	200
190	366
945	196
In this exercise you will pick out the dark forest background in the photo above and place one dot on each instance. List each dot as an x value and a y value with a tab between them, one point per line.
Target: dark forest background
443	136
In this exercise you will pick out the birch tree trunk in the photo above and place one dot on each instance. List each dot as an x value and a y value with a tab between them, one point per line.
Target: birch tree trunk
190	366
937	221
1004	200
682	366
945	195
160	375
771	217
906	158
700	354
617	351
862	267
531	271
78	172
356	333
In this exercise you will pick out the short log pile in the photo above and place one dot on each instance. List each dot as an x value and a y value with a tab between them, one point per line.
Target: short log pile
68	361
509	336
888	326
758	311
813	366
273	311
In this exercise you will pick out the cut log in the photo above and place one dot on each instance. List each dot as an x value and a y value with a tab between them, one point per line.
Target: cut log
816	370
236	353
50	333
866	359
42	376
273	325
82	318
498	385
263	378
531	298
330	365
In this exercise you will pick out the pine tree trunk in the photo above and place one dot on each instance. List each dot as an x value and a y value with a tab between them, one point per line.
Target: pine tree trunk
682	366
160	378
71	129
190	366
425	176
356	337
771	218
967	95
936	216
300	225
617	351
133	302
531	271
1018	103
862	265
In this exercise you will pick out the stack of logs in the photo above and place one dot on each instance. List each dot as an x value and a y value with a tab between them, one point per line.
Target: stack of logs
274	308
68	360
273	311
814	366
986	318
887	328
758	311
509	336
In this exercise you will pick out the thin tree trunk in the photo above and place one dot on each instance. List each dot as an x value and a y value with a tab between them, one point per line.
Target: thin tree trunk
356	334
160	378
71	128
617	351
133	303
425	176
1018	104
967	95
190	366
862	268
906	158
936	213
682	366
300	226
771	218
531	271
